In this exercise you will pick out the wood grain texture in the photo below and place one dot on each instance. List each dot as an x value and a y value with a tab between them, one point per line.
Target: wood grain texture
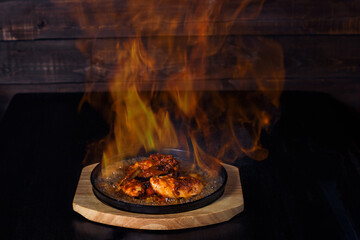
327	64
46	19
60	62
226	207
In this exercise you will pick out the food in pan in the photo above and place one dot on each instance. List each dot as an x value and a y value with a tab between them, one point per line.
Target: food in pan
156	180
155	165
159	176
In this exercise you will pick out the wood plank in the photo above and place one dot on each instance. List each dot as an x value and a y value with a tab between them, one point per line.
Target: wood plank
36	62
63	19
312	63
315	58
226	207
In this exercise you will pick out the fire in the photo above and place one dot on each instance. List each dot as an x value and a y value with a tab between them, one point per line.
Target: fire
214	127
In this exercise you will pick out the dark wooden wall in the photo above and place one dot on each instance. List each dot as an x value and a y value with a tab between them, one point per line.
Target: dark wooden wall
320	40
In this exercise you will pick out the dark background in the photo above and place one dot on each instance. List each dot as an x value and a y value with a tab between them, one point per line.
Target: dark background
308	188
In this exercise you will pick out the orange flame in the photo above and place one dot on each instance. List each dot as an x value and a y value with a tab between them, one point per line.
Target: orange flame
176	46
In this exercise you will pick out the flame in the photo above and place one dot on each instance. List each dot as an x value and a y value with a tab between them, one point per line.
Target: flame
176	46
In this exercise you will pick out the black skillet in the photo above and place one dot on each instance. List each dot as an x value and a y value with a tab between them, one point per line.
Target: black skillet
181	156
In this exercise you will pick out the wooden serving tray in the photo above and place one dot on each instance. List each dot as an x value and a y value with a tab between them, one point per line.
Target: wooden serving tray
226	207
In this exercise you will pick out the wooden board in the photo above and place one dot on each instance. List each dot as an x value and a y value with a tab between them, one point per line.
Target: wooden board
317	59
328	64
226	207
45	19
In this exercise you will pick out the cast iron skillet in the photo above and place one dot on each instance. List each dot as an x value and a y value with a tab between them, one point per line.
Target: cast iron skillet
180	155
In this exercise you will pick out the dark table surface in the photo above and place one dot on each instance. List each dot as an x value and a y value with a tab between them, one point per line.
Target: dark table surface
308	187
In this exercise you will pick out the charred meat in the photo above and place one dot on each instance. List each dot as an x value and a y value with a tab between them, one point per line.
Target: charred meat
158	176
133	188
155	165
182	187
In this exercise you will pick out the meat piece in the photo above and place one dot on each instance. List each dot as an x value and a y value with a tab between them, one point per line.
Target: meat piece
182	187
149	190
133	188
164	186
155	165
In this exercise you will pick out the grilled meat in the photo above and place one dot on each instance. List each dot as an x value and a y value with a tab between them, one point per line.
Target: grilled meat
182	187
158	175
155	165
133	188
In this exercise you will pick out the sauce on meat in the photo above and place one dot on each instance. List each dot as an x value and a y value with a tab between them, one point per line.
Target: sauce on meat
158	180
